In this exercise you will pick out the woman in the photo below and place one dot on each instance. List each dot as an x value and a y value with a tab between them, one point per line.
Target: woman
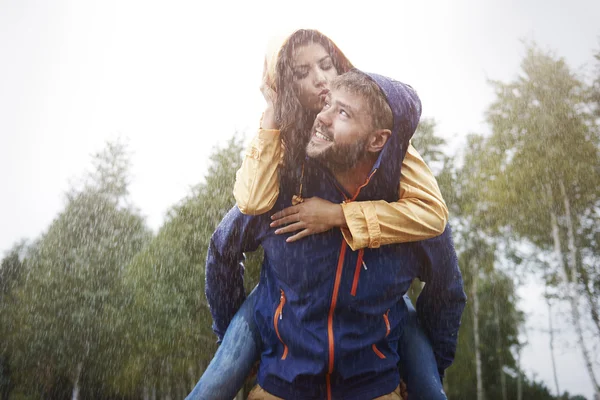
296	79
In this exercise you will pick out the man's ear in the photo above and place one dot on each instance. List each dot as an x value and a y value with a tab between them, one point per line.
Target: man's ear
378	139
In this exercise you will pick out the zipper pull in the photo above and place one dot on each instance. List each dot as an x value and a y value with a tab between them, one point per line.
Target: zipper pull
364	265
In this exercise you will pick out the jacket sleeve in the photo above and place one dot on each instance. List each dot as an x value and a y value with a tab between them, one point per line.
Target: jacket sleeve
419	214
224	289
257	181
442	300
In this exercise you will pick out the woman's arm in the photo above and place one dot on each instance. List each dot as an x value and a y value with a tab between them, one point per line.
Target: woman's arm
257	181
419	214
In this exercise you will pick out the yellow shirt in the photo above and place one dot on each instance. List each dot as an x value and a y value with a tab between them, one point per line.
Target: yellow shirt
420	213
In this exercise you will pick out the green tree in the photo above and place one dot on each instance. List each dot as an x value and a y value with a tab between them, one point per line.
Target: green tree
432	148
488	336
428	143
11	277
543	169
594	92
173	340
73	276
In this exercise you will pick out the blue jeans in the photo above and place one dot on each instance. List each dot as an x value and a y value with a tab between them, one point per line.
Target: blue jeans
241	345
418	368
238	352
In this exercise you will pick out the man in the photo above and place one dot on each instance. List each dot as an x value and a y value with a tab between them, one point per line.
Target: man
330	318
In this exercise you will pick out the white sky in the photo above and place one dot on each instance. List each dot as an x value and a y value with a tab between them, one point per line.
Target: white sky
177	78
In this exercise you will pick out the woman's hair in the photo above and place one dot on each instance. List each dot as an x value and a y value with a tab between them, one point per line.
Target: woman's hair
295	122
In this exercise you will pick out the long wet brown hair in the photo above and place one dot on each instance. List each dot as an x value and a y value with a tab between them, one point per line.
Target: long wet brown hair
295	122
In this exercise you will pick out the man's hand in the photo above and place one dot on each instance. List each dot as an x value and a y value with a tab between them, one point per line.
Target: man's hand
314	215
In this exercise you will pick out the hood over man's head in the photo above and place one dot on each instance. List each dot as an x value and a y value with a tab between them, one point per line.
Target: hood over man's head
366	116
354	125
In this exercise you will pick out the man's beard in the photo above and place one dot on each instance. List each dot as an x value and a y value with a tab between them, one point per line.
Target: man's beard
339	158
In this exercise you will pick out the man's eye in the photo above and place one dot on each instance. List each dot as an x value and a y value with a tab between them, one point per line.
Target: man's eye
326	105
344	113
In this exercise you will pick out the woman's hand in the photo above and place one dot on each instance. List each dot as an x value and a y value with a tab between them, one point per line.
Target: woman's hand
314	215
268	119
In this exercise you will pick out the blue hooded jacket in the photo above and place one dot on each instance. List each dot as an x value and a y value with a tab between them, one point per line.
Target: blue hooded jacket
330	317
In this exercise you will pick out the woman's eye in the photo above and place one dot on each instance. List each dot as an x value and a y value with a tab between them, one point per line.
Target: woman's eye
300	74
326	65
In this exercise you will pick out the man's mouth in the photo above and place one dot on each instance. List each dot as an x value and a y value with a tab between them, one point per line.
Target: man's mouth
321	136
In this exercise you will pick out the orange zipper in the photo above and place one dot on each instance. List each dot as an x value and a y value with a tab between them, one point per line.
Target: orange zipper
386	319
362	186
336	289
359	263
278	315
379	353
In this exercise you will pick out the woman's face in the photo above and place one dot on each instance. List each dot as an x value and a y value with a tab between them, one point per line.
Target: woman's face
312	69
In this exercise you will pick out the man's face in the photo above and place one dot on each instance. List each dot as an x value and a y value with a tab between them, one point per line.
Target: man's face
341	131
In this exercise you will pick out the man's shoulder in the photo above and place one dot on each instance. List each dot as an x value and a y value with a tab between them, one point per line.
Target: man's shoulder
236	219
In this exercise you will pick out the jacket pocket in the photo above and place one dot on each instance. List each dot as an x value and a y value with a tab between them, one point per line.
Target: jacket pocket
388	328
359	265
278	317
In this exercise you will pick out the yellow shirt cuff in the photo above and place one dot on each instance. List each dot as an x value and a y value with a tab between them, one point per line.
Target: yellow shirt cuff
356	234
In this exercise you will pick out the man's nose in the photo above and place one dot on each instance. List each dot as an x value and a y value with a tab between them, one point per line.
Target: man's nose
324	118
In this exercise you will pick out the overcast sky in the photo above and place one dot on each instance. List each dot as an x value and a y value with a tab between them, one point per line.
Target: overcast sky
177	78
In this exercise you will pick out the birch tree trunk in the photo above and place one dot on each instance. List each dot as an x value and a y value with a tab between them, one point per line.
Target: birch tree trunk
567	275
551	332
573	256
519	376
75	393
589	295
499	348
474	296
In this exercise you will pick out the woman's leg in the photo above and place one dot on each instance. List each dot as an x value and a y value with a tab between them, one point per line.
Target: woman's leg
418	368
235	357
